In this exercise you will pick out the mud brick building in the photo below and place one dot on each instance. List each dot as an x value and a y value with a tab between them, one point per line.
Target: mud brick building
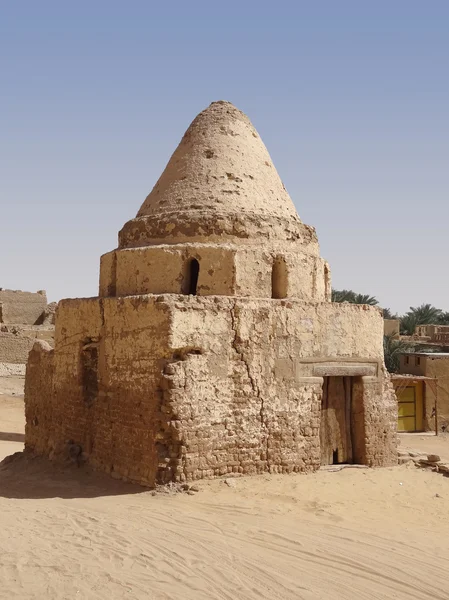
213	346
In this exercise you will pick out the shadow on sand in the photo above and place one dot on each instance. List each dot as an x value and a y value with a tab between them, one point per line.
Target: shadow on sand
25	476
6	436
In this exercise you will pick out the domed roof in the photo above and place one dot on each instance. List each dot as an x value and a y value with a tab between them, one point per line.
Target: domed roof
220	181
221	164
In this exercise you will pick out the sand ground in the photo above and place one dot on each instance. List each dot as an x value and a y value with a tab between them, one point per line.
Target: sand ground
426	442
354	534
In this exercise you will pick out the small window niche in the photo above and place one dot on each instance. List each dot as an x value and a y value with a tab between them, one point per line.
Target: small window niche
279	278
191	279
89	371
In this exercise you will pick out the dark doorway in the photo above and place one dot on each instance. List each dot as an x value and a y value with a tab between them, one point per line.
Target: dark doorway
341	425
192	275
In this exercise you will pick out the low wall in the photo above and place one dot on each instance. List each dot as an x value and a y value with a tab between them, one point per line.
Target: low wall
22	308
14	348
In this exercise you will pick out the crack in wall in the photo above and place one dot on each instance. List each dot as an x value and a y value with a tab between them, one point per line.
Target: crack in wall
255	388
169	442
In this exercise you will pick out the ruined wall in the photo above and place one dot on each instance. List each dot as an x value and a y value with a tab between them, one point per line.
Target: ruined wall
254	402
435	333
19	313
39	332
155	388
19	307
42	407
14	348
49	315
380	408
128	426
104	377
15	344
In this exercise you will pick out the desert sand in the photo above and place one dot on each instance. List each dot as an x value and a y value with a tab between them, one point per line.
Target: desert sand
352	534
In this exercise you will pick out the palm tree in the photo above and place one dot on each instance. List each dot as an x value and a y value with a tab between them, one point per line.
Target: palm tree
426	314
408	324
443	319
365	299
343	296
393	348
353	298
389	315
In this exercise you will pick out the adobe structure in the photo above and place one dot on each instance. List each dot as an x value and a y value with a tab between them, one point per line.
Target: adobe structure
213	347
24	317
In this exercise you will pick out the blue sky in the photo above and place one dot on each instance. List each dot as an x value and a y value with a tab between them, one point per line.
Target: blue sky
350	97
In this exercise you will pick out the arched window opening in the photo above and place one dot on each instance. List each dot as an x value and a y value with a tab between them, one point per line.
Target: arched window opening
192	276
279	278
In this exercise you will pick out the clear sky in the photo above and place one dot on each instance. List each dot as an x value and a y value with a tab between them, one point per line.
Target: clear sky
350	97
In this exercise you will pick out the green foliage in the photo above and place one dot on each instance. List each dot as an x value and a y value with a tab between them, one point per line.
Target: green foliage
353	298
389	315
443	319
393	349
342	296
426	314
408	324
365	299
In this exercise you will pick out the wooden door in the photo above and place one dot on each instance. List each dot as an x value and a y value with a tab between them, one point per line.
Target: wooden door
335	427
410	408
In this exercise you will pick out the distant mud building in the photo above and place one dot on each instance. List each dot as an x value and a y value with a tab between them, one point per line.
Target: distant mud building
213	347
24	317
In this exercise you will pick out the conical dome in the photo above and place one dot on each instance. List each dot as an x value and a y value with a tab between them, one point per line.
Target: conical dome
220	182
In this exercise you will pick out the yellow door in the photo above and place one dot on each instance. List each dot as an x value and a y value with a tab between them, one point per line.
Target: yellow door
410	408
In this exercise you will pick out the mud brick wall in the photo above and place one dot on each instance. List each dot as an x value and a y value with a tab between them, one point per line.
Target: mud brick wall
22	308
244	401
160	388
379	411
42	408
14	349
105	376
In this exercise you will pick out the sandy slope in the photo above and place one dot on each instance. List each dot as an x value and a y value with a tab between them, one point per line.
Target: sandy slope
355	534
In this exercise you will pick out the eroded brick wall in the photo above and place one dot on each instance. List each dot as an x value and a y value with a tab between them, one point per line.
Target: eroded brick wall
105	377
377	401
24	308
14	348
245	402
156	388
42	407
